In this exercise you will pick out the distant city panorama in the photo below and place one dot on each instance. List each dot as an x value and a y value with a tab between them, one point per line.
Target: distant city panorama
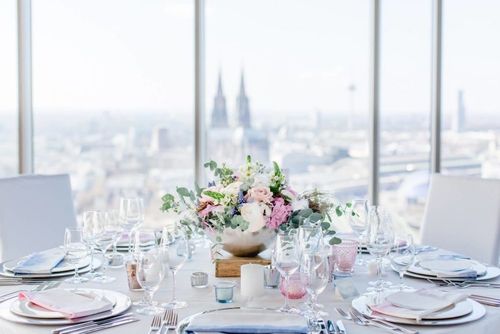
110	154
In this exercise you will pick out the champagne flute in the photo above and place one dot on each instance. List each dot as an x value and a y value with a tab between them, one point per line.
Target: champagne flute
150	273
286	260
178	252
358	220
131	215
107	231
402	257
76	250
380	238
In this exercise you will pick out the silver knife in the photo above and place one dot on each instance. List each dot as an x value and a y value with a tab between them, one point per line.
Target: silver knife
340	326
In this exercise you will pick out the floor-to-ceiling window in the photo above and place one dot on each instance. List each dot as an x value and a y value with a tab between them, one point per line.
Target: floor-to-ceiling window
405	108
287	81
8	88
113	97
471	86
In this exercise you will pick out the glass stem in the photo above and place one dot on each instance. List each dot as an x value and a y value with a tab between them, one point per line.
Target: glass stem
148	296
77	275
91	259
379	271
287	291
173	286
401	274
104	263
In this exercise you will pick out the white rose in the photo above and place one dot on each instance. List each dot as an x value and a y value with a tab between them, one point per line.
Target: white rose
261	180
252	213
300	204
232	189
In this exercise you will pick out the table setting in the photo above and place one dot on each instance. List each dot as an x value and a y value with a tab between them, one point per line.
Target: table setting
295	272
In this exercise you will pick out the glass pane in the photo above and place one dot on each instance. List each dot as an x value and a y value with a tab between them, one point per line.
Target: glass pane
288	82
8	88
405	108
113	97
471	82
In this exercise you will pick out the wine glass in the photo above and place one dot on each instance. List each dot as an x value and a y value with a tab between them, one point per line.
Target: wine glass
107	231
115	259
380	238
141	241
309	238
286	259
358	221
150	273
402	256
76	250
91	219
131	215
314	273
178	252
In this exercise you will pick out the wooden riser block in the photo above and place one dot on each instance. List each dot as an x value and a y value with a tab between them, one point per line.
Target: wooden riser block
230	266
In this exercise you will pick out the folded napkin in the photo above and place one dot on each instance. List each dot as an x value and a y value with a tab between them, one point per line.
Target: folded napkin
41	262
248	321
418	304
71	304
453	267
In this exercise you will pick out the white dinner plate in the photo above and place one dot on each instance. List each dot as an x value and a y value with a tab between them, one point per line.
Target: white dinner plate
478	311
491	272
25	308
122	304
6	273
429	267
406	305
61	267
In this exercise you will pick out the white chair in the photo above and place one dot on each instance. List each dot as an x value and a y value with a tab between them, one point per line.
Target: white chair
34	211
463	215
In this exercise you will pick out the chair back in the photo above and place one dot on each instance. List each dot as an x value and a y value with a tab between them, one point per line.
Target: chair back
463	215
34	211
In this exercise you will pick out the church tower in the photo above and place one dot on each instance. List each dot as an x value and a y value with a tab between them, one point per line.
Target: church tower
243	107
219	112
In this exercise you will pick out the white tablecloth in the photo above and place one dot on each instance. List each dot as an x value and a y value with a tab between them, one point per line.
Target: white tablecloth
203	299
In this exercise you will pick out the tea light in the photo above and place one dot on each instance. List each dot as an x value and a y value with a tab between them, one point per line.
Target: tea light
252	280
133	284
271	277
224	291
199	280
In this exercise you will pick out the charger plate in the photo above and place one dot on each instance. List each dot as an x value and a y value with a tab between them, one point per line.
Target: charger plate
61	267
7	273
122	304
478	311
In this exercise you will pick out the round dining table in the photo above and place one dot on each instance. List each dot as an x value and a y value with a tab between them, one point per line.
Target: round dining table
339	293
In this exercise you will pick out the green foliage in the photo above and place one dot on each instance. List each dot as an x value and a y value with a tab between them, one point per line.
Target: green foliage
168	202
277	179
214	194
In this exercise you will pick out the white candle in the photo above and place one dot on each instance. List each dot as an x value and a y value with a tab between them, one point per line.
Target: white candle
252	280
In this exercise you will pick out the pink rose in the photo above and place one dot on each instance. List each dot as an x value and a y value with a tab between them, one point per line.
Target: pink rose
210	208
259	194
279	214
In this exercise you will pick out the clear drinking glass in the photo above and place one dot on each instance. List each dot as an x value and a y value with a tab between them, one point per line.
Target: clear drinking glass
380	238
286	259
314	273
358	221
91	220
76	250
402	256
140	244
107	231
150	273
131	216
178	252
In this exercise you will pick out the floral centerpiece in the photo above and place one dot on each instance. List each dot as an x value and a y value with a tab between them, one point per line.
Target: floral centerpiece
243	208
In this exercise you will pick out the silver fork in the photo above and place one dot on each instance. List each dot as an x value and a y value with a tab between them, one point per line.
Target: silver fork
171	321
155	324
394	326
365	322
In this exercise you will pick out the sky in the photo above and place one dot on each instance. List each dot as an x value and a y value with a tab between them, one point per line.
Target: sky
298	56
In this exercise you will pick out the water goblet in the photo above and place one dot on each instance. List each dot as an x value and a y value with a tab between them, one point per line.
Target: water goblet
91	221
131	216
402	257
178	253
358	220
106	233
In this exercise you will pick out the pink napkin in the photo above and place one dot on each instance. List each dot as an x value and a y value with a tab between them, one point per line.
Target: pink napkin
69	303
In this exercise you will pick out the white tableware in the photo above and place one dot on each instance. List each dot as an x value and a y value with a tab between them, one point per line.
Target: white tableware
61	267
491	273
6	273
27	309
478	311
122	304
439	267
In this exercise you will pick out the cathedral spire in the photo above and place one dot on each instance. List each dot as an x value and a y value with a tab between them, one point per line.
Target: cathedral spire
219	112
243	105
